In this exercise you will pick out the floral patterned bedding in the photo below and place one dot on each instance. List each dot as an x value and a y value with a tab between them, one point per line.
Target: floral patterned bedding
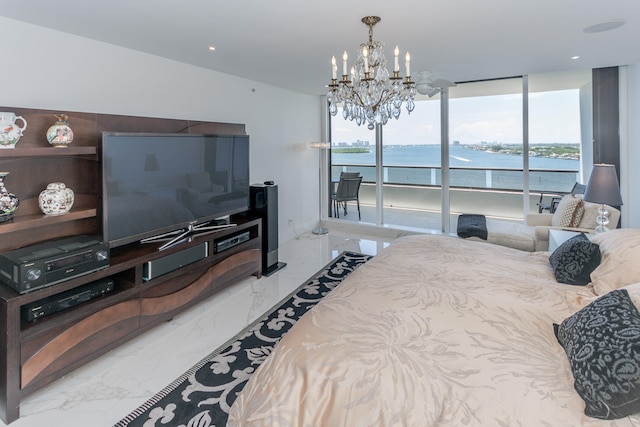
433	331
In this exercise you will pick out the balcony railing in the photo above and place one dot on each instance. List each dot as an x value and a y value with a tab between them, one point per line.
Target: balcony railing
540	180
489	191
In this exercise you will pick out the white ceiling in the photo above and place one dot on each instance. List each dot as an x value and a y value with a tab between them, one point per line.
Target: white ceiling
289	43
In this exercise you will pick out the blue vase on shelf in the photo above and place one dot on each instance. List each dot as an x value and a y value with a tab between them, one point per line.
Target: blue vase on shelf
8	201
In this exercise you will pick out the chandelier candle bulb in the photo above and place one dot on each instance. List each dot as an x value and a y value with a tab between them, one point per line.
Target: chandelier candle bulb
334	68
396	66
407	64
344	63
365	54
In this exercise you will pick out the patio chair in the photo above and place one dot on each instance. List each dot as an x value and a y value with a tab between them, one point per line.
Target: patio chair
555	198
334	185
348	190
349	174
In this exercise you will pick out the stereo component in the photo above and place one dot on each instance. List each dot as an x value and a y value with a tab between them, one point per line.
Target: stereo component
229	242
55	303
168	263
45	264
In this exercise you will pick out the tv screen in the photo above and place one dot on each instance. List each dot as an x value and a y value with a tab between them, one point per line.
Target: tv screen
158	183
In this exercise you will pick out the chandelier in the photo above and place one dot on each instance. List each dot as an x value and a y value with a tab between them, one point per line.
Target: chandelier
368	94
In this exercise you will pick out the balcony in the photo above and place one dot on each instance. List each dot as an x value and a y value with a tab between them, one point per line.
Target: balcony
412	196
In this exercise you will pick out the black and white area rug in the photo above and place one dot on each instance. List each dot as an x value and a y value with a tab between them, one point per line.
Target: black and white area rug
203	395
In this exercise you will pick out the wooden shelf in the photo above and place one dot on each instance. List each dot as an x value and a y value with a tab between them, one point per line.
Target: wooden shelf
48	151
26	222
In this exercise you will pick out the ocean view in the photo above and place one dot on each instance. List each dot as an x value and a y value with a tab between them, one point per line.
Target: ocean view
480	168
459	156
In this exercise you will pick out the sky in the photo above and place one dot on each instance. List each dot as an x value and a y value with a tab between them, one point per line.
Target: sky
554	117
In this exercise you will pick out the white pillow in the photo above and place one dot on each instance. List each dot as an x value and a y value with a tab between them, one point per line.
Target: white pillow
620	265
579	298
569	212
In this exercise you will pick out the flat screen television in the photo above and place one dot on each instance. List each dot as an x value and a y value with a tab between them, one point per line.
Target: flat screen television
170	184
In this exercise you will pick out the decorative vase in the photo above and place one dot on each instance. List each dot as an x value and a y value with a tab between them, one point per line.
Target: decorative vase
10	132
57	199
8	201
60	134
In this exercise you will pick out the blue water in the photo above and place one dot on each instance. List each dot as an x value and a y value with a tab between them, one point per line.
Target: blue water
459	156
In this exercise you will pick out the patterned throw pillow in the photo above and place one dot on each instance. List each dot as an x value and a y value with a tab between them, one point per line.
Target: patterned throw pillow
574	260
569	212
602	342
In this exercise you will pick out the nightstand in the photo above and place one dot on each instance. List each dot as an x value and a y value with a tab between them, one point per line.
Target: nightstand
558	237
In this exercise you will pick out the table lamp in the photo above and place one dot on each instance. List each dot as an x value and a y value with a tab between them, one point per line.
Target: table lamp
603	189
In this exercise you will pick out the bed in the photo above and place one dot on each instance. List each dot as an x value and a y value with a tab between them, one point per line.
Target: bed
440	331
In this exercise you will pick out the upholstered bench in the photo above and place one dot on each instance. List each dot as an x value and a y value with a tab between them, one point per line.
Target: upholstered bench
503	233
511	234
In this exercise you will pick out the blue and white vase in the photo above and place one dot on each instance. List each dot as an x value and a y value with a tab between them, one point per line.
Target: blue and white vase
8	201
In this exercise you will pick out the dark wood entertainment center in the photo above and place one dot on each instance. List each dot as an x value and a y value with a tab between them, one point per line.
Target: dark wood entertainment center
34	354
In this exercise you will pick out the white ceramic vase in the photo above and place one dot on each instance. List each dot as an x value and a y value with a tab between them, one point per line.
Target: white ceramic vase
60	134
57	199
10	132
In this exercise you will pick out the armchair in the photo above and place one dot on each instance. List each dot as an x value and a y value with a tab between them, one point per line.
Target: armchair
543	222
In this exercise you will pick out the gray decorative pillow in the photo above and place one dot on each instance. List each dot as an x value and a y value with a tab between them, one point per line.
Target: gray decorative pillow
602	342
574	260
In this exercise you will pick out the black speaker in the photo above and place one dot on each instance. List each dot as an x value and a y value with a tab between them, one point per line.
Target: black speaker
264	203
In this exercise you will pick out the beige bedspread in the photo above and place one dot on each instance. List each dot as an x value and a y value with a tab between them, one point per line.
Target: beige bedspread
433	331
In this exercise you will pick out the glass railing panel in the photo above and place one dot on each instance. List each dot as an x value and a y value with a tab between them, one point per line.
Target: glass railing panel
415	175
552	181
493	192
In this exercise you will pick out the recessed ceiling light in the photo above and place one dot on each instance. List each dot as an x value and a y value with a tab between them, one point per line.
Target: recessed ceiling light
212	48
604	26
575	57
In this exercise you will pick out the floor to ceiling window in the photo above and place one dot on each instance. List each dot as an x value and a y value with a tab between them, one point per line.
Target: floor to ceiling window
411	167
486	148
560	135
411	187
504	144
353	149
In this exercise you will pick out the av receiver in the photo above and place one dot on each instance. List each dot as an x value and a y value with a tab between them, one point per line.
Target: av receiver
45	264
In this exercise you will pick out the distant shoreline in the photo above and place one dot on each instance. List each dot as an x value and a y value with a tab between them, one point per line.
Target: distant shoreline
350	150
551	151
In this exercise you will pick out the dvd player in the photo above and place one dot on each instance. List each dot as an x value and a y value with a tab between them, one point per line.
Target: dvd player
55	303
229	242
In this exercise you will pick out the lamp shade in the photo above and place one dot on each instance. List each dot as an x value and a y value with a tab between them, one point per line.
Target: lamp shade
603	186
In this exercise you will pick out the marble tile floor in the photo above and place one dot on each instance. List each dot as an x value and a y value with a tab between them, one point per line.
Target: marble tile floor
104	391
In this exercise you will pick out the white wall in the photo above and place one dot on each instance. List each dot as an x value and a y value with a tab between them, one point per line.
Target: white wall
53	70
